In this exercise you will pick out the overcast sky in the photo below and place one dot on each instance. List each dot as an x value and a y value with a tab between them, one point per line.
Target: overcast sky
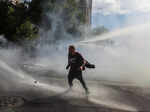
119	13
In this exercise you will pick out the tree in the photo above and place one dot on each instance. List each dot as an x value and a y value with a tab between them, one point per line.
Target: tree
35	11
21	21
3	16
15	24
26	31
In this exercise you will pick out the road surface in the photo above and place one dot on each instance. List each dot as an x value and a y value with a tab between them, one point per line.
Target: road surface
53	95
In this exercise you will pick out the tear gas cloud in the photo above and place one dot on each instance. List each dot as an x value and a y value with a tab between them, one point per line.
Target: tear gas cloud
125	58
121	55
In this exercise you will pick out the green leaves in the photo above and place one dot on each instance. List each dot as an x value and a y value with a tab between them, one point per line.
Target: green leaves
11	10
21	21
15	23
25	31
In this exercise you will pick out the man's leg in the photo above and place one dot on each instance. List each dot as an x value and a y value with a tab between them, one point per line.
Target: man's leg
80	78
70	79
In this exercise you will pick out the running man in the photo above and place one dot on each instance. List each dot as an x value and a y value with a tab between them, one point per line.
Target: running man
77	64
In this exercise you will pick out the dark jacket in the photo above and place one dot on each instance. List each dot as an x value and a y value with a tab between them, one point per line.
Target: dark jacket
75	61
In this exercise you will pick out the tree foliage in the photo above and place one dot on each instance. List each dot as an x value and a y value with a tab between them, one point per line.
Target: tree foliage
22	21
13	18
26	31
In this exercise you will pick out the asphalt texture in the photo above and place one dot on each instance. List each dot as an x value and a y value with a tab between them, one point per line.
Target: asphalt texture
53	95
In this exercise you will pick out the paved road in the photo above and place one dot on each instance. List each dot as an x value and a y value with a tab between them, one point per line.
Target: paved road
53	96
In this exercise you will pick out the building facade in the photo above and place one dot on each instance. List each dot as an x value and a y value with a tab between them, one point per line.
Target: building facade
86	7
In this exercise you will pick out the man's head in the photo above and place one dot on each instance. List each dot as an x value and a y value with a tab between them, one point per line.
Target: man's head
72	49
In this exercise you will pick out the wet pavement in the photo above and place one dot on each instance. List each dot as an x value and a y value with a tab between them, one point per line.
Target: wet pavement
104	96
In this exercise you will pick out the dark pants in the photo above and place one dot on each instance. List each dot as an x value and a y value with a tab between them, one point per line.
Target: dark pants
76	74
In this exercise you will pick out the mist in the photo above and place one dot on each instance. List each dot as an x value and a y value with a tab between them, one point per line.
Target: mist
124	59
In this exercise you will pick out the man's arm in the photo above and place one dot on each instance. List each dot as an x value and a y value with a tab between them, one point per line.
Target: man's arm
89	65
82	62
85	63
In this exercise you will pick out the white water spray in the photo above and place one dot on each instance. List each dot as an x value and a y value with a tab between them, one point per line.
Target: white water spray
120	32
126	60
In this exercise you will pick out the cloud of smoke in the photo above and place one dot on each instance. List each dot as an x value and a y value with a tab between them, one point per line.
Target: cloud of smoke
125	59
